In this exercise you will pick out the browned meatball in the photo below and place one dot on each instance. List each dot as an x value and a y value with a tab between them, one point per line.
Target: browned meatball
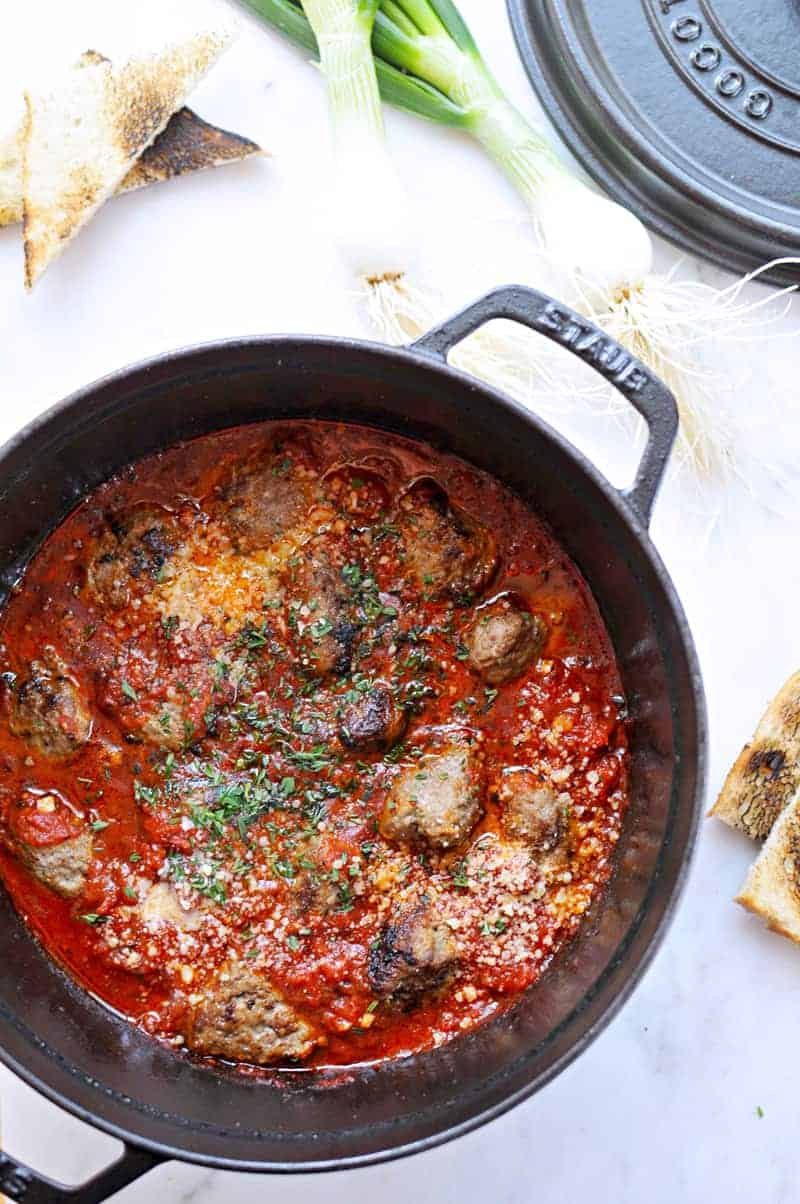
62	867
169	727
415	953
437	800
319	610
316	886
447	553
266	498
531	811
48	710
374	721
313	892
244	1019
504	640
134	548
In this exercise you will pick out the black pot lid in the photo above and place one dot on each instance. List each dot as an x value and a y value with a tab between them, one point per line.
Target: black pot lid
686	111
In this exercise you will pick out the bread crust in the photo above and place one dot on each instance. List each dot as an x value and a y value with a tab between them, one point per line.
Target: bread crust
772	887
766	774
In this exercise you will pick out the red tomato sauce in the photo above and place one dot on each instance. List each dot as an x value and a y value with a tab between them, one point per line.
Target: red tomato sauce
182	806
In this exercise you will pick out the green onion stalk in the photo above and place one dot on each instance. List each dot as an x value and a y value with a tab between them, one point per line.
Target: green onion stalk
369	210
427	62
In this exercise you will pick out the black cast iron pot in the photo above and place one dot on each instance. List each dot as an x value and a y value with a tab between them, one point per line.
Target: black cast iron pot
162	1105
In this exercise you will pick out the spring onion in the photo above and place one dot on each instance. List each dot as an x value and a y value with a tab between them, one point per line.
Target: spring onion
368	214
397	88
427	62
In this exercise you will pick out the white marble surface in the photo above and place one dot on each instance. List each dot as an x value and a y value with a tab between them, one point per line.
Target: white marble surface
663	1107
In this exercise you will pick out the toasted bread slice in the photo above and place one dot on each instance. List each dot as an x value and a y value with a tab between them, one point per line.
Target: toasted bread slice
187	144
81	139
772	888
11	178
766	774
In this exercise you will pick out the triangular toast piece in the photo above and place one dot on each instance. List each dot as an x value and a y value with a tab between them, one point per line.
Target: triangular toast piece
772	888
81	139
766	774
188	144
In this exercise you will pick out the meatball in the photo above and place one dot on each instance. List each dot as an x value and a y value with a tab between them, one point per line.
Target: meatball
314	892
48	710
135	547
435	801
318	592
265	499
504	640
415	953
447	553
374	722
170	727
62	867
531	811
244	1019
319	883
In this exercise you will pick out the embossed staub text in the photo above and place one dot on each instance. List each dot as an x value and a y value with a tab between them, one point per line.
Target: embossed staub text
594	347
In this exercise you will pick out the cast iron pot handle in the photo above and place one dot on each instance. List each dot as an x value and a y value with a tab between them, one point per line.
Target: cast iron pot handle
563	325
19	1182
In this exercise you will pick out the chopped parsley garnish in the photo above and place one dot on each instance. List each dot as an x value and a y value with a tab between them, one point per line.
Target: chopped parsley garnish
128	690
169	626
320	628
200	871
313	759
459	875
352	575
252	638
241	804
145	794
